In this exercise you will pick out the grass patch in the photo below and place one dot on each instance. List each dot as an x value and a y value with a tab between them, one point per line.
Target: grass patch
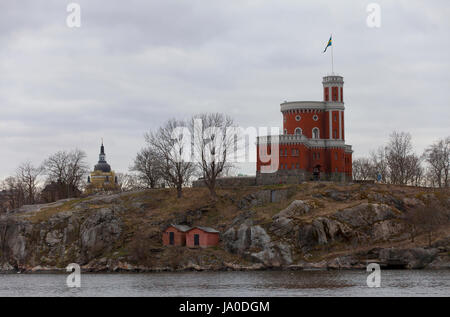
45	213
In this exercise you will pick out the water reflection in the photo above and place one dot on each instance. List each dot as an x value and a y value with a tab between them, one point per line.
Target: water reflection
260	283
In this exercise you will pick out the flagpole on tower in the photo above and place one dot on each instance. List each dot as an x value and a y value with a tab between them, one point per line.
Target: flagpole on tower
330	43
332	62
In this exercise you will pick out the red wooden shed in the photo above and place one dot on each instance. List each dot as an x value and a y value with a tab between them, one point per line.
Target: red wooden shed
175	235
202	237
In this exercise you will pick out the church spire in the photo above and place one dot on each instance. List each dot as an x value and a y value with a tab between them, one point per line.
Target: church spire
102	156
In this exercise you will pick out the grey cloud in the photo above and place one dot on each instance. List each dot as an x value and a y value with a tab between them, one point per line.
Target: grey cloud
134	64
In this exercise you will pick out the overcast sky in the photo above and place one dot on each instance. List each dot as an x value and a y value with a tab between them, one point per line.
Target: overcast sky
134	64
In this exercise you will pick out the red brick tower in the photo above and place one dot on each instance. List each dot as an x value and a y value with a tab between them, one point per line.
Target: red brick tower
312	145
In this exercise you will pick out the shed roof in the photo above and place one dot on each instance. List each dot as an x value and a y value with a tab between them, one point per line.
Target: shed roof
181	228
206	229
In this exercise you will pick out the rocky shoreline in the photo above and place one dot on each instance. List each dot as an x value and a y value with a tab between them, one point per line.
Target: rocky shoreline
307	227
415	258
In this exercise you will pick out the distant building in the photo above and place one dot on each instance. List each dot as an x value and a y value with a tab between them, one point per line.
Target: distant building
180	235
58	190
202	237
102	178
175	235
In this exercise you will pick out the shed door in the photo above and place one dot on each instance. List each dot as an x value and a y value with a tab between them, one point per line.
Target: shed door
171	238
196	239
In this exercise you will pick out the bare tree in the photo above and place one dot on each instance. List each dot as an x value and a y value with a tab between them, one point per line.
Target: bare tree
414	170
363	169
27	176
147	164
437	156
425	218
172	145
67	169
401	161
379	164
13	194
214	145
78	168
128	182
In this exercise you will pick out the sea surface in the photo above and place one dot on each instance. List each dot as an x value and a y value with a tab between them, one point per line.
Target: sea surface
231	284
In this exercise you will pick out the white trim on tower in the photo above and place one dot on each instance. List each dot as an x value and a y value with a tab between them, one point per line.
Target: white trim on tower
330	125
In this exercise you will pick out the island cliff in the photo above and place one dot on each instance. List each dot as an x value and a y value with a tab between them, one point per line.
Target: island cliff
312	225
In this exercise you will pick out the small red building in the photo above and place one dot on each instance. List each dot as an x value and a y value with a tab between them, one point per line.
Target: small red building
202	237
175	235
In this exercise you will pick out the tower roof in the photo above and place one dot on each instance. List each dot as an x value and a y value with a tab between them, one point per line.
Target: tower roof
102	165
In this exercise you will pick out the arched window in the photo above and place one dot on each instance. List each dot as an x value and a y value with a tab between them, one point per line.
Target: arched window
298	131
315	133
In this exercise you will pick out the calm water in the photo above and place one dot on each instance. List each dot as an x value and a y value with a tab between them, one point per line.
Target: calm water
262	283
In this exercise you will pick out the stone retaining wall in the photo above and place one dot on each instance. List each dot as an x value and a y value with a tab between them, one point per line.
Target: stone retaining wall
238	181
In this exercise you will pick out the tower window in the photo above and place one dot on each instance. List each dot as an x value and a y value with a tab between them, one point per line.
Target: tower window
298	131
334	92
315	133
297	118
315	117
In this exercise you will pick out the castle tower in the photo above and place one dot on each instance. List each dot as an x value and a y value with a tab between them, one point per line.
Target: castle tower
333	96
313	142
333	88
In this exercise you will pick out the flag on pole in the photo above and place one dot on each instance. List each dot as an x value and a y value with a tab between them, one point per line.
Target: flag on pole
328	44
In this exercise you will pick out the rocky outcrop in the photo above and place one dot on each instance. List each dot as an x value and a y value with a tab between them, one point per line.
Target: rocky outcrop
327	226
254	243
98	233
262	197
414	258
67	236
387	199
296	208
365	214
322	231
337	195
283	224
358	224
255	199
